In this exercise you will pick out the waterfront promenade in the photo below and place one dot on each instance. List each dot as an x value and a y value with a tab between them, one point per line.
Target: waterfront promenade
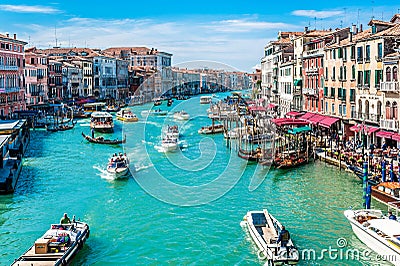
64	173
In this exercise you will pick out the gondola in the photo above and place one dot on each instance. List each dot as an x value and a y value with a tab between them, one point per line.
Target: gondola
101	140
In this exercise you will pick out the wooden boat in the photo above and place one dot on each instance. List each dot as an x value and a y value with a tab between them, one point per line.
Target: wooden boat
254	155
377	232
387	193
118	165
113	108
358	171
62	127
101	140
58	246
211	129
157	102
102	122
127	116
264	230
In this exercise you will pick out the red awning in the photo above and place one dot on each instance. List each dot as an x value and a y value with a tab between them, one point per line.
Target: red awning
328	121
306	116
315	119
257	108
356	128
371	130
367	129
396	137
384	134
293	114
289	121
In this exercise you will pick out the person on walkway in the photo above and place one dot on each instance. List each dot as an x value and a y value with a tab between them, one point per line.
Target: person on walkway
392	216
65	219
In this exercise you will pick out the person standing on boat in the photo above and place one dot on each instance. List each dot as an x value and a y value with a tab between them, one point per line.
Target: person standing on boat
65	219
392	216
92	133
284	237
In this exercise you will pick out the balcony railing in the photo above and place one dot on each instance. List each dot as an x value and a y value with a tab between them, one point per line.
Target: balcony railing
390	86
366	116
8	67
389	124
309	91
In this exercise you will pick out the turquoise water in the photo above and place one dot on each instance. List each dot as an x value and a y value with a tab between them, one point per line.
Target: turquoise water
177	208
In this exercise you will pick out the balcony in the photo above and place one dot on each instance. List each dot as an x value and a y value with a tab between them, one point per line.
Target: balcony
389	124
14	68
312	71
9	90
366	116
309	91
314	52
389	86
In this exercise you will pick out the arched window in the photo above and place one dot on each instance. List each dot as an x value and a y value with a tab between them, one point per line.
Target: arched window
394	73
387	110
394	111
388	74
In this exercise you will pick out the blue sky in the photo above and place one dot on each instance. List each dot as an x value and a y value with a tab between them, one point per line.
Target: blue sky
231	32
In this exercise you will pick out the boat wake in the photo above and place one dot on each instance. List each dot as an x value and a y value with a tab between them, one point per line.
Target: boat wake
103	173
141	167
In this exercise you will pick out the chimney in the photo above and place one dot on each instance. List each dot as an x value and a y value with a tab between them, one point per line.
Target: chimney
8	35
337	38
305	29
15	36
360	27
353	29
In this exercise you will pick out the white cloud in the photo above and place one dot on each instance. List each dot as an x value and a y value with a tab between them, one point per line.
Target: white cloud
28	9
237	25
317	14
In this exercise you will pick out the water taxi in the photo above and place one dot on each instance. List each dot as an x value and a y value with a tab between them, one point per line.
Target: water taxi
118	165
378	232
387	193
126	115
171	131
181	115
58	246
264	230
102	122
211	129
205	99
89	108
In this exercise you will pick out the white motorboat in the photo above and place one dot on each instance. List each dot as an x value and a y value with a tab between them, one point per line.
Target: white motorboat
169	144
206	99
157	112
118	165
181	115
378	232
211	129
264	230
126	115
58	246
102	122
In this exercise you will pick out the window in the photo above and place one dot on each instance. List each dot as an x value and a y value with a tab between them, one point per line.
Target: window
388	74
359	54
344	72
333	108
340	53
333	54
326	107
394	73
378	77
333	92
367	53
380	51
352	95
344	94
353	52
367	77
353	72
339	93
326	72
345	53
360	78
333	73
340	109
326	91
344	110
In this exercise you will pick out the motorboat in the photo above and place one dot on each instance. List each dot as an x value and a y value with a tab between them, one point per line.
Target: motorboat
206	99
264	229
102	122
169	144
157	112
118	165
387	193
126	115
378	232
181	115
58	246
211	129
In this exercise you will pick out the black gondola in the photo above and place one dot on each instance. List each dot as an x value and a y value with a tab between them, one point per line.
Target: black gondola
101	140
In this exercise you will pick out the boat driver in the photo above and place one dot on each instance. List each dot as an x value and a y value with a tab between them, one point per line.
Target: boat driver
65	219
284	237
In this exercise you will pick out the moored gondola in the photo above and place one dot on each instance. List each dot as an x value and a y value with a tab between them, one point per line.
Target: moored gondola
101	140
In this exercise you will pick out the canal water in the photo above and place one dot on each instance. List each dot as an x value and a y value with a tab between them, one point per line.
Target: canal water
184	207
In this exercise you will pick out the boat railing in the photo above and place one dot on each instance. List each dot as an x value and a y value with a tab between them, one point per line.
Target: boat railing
394	205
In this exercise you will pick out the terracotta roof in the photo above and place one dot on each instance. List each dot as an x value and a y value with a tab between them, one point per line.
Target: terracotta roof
131	50
396	16
380	22
392	31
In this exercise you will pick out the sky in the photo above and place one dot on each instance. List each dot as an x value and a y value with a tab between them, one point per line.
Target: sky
228	32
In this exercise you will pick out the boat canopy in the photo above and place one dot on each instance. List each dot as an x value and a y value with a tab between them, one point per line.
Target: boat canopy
387	226
298	130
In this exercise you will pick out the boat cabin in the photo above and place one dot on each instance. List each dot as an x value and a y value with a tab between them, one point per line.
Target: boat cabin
89	108
391	188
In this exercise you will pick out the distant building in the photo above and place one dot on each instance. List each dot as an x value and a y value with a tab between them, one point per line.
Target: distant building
12	91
